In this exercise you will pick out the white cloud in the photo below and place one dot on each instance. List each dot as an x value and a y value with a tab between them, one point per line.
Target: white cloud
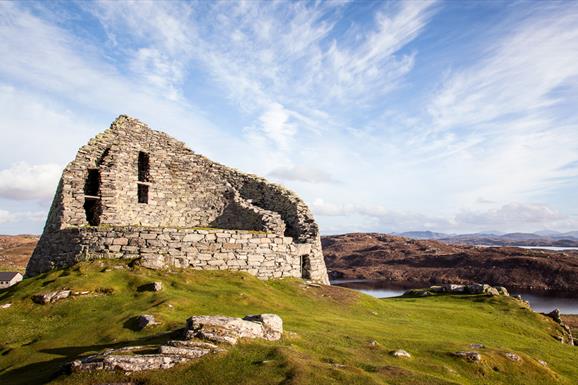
302	173
11	217
23	181
513	216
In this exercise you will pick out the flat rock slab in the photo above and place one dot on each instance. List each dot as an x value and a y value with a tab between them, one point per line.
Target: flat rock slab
223	329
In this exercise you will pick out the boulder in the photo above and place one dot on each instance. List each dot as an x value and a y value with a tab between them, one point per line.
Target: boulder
51	297
452	288
469	356
555	315
229	330
153	286
5	306
145	320
400	353
491	291
512	357
477	346
502	290
272	325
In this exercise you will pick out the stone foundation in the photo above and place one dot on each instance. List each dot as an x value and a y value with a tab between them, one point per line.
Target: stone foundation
265	255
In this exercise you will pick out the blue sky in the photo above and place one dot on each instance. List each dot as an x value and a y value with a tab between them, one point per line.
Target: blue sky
384	116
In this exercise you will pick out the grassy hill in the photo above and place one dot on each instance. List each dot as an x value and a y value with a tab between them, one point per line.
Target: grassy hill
328	332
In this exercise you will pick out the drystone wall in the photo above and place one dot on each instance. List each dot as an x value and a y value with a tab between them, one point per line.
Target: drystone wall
131	177
265	255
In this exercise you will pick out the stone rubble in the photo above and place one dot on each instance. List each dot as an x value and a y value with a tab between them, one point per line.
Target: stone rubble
51	297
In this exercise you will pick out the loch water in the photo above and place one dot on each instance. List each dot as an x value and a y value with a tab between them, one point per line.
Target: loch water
385	289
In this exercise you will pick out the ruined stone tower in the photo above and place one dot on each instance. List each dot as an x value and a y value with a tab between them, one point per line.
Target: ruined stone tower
138	194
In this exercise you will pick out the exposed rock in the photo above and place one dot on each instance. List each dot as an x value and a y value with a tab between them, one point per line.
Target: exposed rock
126	363
555	315
51	297
477	346
5	306
373	343
542	362
228	329
153	286
195	344
512	357
469	356
502	291
189	352
452	288
400	353
145	320
492	291
272	325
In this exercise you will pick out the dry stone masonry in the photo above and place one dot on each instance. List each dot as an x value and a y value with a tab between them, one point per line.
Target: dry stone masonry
137	194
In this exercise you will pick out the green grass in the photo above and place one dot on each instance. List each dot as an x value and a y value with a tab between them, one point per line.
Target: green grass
327	339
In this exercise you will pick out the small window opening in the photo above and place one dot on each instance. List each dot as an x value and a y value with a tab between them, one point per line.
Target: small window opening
305	267
143	193
92	183
143	167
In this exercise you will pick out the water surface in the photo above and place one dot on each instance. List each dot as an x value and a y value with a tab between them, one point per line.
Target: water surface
385	289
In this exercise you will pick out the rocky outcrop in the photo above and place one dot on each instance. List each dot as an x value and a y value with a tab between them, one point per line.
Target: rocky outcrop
475	288
220	329
51	297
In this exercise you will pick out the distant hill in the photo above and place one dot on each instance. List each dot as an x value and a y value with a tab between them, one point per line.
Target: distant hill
424	262
15	250
540	238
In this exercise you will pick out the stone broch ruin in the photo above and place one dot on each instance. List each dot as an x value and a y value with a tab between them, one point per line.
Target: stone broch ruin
137	194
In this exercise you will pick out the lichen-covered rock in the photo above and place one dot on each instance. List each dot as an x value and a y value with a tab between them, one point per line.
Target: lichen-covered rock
51	297
229	330
272	325
189	352
134	193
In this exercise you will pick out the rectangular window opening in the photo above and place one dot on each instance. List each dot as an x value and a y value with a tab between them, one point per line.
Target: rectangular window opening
143	193
143	167
92	182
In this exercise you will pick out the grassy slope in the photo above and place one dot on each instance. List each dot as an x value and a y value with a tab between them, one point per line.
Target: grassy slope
326	328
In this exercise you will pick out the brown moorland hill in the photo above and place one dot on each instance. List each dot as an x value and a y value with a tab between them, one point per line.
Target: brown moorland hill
397	259
15	250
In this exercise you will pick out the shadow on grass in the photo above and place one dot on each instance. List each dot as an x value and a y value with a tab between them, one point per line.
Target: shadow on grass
45	371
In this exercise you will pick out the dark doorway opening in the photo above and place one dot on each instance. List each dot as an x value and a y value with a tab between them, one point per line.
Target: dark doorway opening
143	193
305	267
93	209
92	205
